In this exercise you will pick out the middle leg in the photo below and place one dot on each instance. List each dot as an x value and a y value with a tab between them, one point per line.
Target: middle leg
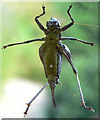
29	41
75	39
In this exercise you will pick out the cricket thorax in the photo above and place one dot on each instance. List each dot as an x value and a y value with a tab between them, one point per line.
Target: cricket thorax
53	33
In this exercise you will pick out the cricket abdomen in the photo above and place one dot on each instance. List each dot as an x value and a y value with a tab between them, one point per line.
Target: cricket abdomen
52	62
51	59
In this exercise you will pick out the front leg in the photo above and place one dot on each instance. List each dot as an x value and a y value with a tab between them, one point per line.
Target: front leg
37	21
70	24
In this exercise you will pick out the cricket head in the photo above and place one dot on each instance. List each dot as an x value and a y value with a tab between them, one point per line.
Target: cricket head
53	23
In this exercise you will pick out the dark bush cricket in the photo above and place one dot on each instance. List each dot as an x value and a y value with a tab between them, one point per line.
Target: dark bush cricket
51	52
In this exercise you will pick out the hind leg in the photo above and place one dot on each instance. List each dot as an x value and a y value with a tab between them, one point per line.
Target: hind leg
66	52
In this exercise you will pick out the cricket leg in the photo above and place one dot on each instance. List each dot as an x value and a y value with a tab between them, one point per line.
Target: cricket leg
66	52
70	24
37	21
40	39
75	39
28	104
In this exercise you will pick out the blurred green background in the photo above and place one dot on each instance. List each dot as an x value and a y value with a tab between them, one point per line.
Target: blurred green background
23	61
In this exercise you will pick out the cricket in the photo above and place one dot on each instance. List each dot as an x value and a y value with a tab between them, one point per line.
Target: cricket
51	52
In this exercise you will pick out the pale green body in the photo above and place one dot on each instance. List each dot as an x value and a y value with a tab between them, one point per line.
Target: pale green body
51	58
